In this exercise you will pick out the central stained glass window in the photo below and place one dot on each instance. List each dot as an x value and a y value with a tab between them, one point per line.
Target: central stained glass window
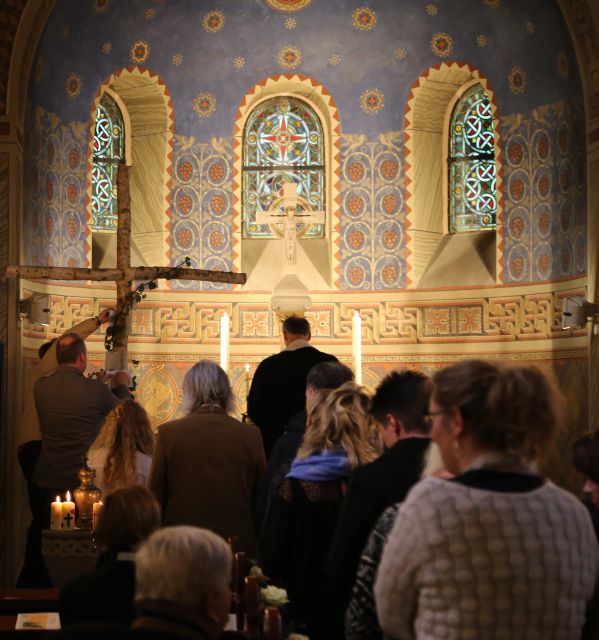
283	142
472	168
109	145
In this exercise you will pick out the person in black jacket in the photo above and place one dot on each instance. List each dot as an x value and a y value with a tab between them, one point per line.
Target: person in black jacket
326	375
279	384
399	406
585	458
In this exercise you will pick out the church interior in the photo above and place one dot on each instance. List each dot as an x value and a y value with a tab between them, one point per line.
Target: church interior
213	106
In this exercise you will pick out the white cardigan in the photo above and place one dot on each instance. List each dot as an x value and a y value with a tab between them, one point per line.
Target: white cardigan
96	459
463	563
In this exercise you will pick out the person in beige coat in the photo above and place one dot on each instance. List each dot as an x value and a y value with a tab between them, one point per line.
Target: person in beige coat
29	439
207	467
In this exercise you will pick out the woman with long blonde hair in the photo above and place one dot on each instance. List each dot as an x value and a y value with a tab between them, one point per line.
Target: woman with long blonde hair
122	451
341	435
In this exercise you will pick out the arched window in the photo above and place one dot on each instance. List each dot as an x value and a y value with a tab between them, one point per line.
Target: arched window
282	142
109	151
472	168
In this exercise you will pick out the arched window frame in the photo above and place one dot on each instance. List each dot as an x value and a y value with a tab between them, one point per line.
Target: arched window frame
126	149
448	182
147	109
321	100
428	108
316	202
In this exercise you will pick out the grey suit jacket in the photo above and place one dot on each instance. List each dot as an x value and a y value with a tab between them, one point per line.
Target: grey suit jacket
71	409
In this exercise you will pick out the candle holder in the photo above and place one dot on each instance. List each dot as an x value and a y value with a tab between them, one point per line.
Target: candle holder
85	495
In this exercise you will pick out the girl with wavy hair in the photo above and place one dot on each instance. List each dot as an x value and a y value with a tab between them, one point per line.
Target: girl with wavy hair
122	451
341	435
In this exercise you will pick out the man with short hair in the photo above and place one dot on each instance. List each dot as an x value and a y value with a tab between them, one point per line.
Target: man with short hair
33	572
71	409
182	584
323	376
399	405
279	384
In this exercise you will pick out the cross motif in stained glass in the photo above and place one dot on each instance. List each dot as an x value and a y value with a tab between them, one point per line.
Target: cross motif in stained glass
109	143
472	167
283	142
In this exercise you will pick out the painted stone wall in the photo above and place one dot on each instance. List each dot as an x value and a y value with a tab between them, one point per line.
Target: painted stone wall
368	57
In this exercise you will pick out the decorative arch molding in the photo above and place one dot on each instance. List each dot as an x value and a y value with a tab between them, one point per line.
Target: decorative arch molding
323	103
426	124
147	109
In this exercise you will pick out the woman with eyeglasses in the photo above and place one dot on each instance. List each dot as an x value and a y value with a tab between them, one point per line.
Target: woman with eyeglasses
499	551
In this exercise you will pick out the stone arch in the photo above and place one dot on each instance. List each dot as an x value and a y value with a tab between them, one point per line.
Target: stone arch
430	248
245	256
147	109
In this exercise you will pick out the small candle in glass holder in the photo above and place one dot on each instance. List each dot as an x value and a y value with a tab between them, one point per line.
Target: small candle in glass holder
56	514
68	513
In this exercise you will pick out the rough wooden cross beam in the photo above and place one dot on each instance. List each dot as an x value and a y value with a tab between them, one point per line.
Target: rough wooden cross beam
124	274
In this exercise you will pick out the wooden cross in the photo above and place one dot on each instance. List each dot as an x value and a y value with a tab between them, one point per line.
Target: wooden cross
291	218
124	274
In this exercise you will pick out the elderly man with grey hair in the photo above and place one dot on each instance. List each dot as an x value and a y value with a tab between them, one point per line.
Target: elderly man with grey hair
207	467
182	584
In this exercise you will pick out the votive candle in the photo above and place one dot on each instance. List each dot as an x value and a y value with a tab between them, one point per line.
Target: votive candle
96	510
56	514
68	513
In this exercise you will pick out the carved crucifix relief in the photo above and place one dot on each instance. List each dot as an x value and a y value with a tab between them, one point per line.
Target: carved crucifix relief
290	209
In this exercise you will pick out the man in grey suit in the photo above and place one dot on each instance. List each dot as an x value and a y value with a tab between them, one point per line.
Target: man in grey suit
71	409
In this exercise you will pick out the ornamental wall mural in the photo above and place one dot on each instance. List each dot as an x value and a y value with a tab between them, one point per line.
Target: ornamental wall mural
368	56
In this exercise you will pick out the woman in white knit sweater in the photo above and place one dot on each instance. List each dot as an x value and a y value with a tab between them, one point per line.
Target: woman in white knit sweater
498	552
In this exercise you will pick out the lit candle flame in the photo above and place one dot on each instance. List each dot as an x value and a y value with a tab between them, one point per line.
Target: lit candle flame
68	496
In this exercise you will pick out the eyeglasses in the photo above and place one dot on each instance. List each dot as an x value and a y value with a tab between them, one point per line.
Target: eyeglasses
429	417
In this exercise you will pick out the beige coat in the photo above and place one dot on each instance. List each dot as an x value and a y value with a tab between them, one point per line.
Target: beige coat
206	471
30	425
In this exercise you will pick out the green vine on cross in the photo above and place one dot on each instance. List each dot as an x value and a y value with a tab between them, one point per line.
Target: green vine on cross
118	324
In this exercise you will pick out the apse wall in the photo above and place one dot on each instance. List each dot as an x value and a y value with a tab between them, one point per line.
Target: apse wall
368	57
208	55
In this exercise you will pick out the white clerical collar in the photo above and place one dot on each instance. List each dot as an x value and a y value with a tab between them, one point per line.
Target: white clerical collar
300	343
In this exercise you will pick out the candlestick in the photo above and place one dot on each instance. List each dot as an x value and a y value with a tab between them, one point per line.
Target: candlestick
224	341
357	345
68	513
56	514
247	380
96	510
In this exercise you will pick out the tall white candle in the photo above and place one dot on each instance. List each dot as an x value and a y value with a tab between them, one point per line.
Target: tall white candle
56	514
68	513
224	341
357	345
247	379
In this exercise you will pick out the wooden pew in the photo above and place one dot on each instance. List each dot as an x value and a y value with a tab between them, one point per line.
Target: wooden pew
13	601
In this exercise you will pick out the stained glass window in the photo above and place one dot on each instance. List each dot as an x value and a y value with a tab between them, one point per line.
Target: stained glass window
472	168
109	149
283	142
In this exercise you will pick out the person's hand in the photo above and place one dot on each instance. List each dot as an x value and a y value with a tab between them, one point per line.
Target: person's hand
121	377
104	315
102	375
